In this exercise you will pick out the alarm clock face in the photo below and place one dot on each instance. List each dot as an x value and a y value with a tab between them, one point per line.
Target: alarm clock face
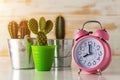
88	52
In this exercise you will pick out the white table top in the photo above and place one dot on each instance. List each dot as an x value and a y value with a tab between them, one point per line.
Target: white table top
6	73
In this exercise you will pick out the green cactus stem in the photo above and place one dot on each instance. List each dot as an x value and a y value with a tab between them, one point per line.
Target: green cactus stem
13	29
42	23
48	27
60	27
45	26
41	38
33	25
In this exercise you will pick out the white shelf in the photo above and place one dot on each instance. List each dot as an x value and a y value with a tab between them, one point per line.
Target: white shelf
6	73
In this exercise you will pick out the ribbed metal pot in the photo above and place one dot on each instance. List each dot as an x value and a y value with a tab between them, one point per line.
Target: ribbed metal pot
63	52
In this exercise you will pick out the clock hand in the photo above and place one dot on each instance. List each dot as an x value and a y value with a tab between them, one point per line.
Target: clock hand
89	51
86	55
90	47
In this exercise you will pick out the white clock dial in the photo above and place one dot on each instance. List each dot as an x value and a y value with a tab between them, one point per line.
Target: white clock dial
89	52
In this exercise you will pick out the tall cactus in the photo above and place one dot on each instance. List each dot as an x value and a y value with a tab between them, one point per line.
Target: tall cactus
45	28
13	29
24	29
60	27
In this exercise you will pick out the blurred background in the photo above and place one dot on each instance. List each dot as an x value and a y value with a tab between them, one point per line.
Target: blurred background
75	12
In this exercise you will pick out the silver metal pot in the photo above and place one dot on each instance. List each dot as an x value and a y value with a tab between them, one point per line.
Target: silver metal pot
63	52
21	58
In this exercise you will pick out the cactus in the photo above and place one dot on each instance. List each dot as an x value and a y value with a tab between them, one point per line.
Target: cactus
49	26
45	28
13	29
24	29
60	27
33	25
41	38
42	23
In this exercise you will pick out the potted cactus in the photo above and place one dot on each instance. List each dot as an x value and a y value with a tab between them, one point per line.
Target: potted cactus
43	54
62	57
20	55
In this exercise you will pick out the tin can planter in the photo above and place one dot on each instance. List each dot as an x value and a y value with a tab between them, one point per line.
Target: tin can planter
62	56
43	57
20	54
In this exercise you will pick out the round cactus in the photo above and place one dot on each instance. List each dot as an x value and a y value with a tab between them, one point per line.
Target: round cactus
13	29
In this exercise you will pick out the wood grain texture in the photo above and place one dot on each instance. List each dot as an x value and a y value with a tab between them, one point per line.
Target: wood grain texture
75	13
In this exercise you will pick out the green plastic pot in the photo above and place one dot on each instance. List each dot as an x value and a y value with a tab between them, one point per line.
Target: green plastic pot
43	57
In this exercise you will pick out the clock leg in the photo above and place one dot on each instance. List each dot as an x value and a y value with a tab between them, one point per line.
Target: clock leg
79	71
99	71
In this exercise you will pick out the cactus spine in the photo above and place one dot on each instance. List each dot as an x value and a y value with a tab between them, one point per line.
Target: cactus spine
60	27
13	29
22	28
45	28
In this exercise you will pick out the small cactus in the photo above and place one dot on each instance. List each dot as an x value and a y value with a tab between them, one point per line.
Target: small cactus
24	29
45	27
60	27
13	29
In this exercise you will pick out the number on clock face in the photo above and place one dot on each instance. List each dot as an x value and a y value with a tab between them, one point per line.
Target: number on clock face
89	52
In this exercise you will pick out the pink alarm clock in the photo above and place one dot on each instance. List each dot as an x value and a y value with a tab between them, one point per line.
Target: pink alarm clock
91	52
